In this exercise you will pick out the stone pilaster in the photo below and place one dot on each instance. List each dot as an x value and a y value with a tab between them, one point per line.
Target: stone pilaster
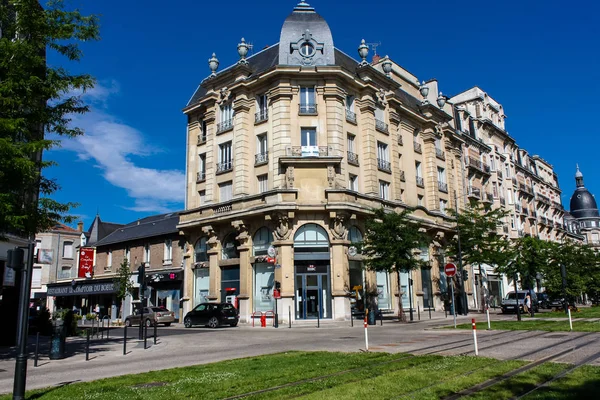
394	157
214	271
210	149
430	170
335	115
242	152
366	105
281	100
244	297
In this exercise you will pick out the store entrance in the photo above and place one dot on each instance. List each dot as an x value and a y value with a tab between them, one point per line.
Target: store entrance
313	297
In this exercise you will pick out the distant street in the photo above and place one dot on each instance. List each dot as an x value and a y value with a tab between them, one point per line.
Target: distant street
178	346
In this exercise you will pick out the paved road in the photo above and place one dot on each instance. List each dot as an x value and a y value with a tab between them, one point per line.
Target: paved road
178	346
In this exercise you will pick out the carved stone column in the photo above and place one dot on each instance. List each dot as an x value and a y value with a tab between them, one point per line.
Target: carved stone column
368	144
340	275
430	169
242	145
244	297
214	271
284	245
280	99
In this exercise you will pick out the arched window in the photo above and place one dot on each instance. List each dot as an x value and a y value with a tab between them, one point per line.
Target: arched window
261	241
311	236
200	253
354	235
230	247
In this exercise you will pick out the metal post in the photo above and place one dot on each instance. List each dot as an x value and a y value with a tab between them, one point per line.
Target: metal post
462	293
21	360
351	318
430	311
366	330
381	318
155	330
101	334
453	305
125	340
145	330
475	336
290	316
87	345
563	272
37	349
318	316
141	333
108	331
276	316
570	320
487	310
418	311
410	310
517	298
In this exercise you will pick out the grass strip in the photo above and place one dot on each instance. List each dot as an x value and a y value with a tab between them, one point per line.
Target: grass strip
583	383
540	325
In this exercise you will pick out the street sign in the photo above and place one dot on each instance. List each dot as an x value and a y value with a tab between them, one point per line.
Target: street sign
271	251
450	269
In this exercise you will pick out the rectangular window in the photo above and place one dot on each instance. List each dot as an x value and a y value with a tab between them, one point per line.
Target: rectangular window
226	113
495	189
147	253
493	163
507	170
351	143
109	259
202	195
201	167
441	175
420	200
384	190
168	253
67	249
350	103
263	183
308	141
418	169
261	103
382	152
225	160
379	114
353	182
261	144
509	196
64	273
38	246
307	100
512	222
128	255
203	129
443	205
226	191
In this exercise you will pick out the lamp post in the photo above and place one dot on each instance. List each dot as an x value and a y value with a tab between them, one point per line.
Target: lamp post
463	296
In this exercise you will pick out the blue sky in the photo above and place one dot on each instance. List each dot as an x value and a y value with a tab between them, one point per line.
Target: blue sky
540	59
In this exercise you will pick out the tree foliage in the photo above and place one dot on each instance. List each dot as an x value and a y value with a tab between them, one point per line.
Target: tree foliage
123	280
530	255
36	98
391	240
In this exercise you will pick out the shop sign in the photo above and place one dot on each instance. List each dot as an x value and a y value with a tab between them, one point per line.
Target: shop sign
86	262
311	268
82	289
166	276
271	251
9	276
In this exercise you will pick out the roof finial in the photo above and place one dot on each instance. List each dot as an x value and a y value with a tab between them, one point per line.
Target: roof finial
578	177
303	6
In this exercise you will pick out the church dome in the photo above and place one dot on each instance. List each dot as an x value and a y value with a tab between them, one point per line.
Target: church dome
583	204
305	38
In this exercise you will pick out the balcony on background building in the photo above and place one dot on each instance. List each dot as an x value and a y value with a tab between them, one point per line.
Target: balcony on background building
402	176
543	220
381	126
350	116
261	158
420	182
521	233
308	109
532	214
439	153
201	138
443	186
474	192
478	165
307	151
502	201
499	174
224	166
518	207
200	176
543	199
384	165
417	147
352	158
526	211
505	229
261	116
488	198
225	125
514	181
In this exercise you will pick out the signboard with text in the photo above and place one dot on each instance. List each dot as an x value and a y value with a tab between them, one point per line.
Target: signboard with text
86	262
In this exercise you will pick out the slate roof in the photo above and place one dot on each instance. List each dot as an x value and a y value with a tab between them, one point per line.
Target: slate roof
99	230
156	225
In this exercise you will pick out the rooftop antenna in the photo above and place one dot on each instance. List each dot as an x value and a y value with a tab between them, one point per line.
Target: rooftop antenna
374	46
250	47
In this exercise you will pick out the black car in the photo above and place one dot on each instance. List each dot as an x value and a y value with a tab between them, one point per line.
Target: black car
212	315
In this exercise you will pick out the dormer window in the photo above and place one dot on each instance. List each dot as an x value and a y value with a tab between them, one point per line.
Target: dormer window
307	50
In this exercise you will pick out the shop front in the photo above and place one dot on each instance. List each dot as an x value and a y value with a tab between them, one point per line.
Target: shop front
164	289
84	297
201	273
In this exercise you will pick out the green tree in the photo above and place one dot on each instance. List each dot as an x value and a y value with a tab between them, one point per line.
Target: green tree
480	243
530	256
36	98
390	242
123	282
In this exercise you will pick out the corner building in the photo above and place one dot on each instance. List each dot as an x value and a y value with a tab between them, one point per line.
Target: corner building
293	147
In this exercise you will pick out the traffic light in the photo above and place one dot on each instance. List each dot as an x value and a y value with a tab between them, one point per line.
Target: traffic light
465	275
277	285
142	274
15	259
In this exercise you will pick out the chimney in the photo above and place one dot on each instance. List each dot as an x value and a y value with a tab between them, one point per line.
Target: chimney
376	58
80	226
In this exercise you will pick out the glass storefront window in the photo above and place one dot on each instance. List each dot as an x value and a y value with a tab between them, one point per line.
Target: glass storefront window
383	291
200	250
264	278
427	289
230	247
404	289
201	285
261	241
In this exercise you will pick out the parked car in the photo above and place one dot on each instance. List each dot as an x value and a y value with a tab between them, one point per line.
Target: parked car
509	304
543	300
152	316
212	315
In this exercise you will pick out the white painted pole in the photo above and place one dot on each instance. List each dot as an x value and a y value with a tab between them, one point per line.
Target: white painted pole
570	320
475	336
487	310
366	332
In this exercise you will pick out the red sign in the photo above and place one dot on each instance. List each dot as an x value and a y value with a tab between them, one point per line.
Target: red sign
86	262
276	294
270	260
450	269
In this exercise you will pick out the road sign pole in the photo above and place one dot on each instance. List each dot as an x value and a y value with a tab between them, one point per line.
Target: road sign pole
453	305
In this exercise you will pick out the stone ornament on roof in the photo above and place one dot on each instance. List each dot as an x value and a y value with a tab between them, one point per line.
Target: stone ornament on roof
224	95
213	64
306	48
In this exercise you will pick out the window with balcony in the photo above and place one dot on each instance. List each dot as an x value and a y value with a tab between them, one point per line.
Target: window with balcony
308	100
225	118
507	170
226	191
419	174
262	154
509	196
225	159
202	196
203	132
262	113
67	250
308	141
350	113
439	152
380	124
201	174
263	183
383	157
352	156
442	184
495	190
353	182
384	190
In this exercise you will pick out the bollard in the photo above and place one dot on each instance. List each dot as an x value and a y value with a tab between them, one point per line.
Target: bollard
263	320
155	329
570	320
487	310
145	335
475	336
102	331
366	331
418	311
429	311
87	346
381	318
290	316
351	318
125	340
37	350
318	318
108	331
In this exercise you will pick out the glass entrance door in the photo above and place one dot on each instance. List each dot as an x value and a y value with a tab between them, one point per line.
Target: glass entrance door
312	296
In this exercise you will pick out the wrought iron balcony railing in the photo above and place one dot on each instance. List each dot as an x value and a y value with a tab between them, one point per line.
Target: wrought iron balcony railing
381	126
443	186
439	153
352	158
200	176
261	116
384	165
417	147
420	182
225	125
261	158
350	116
308	109
201	139
224	166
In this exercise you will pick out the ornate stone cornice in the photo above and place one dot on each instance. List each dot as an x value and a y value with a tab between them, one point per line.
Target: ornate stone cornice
282	224
281	92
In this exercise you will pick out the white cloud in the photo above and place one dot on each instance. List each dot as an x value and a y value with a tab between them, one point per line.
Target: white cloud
111	145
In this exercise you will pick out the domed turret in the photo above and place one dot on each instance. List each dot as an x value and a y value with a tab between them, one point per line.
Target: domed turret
305	38
583	203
